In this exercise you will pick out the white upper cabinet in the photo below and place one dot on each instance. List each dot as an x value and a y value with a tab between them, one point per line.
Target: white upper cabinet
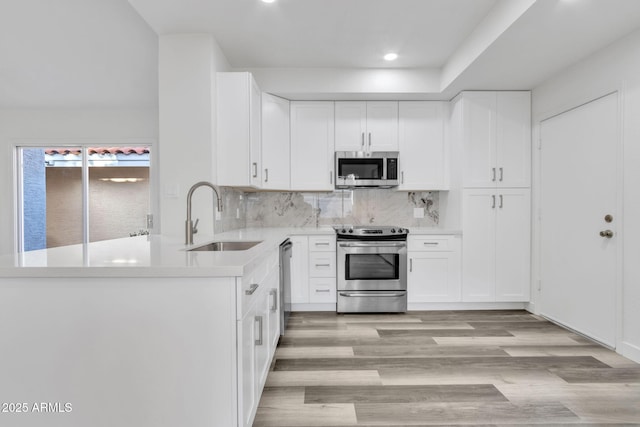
496	133
424	153
366	126
312	145
276	154
238	111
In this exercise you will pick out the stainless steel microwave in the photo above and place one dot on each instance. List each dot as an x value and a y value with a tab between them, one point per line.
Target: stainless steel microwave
359	169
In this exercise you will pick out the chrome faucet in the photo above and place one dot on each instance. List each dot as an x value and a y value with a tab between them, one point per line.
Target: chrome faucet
190	227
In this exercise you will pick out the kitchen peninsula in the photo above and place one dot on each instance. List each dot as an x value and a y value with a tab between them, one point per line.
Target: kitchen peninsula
139	331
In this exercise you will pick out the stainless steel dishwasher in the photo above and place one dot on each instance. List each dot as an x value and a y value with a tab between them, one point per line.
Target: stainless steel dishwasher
286	249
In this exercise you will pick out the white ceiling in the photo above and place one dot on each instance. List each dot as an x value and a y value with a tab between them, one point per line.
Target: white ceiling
104	53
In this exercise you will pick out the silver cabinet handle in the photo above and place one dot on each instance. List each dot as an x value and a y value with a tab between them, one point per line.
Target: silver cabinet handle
322	243
362	140
323	290
255	169
369	139
493	204
501	174
260	324
266	175
431	243
410	265
500	201
330	177
252	289
323	265
274	294
493	176
402	177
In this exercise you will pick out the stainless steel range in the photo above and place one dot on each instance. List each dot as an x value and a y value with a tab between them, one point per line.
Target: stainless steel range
372	269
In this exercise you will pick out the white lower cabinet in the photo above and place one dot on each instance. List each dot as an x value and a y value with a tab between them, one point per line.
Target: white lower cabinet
313	271
496	245
258	331
434	269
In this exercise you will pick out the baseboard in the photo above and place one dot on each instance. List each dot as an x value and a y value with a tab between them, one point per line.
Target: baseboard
424	306
630	351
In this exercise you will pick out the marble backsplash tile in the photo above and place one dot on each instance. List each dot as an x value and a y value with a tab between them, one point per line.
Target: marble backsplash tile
357	207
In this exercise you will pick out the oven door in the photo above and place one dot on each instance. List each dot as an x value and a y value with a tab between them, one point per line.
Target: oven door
372	266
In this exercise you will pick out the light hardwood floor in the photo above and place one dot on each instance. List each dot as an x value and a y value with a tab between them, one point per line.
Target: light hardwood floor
444	368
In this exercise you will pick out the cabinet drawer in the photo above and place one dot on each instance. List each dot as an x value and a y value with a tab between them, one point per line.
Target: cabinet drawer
322	264
432	243
322	243
322	290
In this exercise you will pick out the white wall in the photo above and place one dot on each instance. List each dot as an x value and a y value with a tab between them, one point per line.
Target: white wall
615	68
62	126
187	69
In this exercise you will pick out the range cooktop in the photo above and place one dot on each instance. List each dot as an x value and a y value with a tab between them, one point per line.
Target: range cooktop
370	231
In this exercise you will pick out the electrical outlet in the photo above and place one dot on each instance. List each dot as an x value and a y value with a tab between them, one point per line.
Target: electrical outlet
418	212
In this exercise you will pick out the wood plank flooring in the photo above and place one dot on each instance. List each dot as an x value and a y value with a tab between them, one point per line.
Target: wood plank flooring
444	368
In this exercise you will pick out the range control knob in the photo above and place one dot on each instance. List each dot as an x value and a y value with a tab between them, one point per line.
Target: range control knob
400	230
393	230
351	230
343	231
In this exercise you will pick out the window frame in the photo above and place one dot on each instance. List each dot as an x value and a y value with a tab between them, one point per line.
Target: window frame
84	144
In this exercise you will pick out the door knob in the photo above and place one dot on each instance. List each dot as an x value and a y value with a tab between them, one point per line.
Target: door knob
606	233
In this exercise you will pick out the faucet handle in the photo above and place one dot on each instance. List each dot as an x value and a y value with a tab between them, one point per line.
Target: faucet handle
194	229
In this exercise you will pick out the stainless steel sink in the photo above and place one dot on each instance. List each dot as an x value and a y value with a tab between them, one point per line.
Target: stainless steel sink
226	246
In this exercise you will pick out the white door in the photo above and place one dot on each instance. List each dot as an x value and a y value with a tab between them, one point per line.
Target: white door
578	189
513	244
422	146
479	245
479	136
351	125
312	145
382	126
276	151
513	139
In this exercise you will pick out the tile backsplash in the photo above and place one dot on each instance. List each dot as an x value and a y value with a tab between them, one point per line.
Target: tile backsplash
357	207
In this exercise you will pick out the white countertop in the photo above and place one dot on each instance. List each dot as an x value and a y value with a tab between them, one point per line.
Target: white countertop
159	256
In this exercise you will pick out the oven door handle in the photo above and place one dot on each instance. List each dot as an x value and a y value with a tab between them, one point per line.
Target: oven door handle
373	244
372	294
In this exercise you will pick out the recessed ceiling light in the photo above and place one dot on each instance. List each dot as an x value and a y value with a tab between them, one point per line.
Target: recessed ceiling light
391	56
268	1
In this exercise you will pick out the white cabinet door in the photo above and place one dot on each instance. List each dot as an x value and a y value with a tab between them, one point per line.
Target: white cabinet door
479	139
433	277
238	113
312	145
276	151
366	126
513	238
382	126
262	349
497	139
424	154
351	125
322	290
513	139
478	245
248	399
300	270
496	245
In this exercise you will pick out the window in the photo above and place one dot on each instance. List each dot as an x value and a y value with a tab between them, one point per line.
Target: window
71	195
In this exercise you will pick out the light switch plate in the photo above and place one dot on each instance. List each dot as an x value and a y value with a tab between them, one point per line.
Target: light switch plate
418	212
